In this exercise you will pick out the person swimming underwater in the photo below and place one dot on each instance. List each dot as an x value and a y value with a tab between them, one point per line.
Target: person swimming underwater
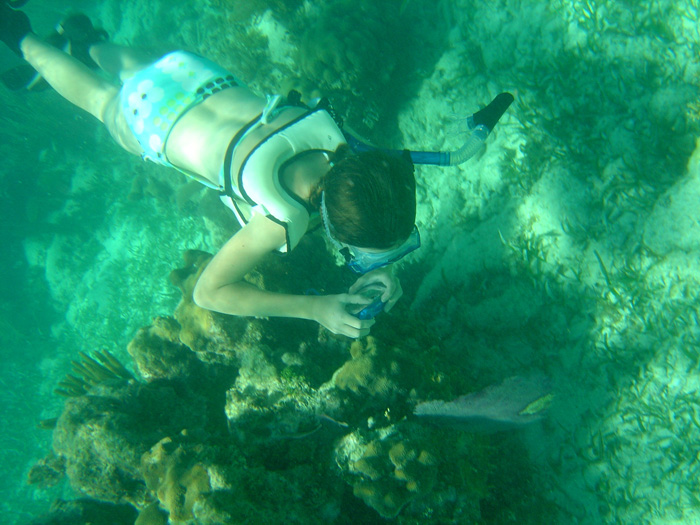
278	166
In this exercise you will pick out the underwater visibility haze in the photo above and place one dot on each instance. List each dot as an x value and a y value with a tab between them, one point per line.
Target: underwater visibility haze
553	303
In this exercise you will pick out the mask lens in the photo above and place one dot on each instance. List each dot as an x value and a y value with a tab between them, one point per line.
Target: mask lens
363	262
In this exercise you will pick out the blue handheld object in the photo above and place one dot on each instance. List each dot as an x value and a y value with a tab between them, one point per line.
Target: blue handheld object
371	310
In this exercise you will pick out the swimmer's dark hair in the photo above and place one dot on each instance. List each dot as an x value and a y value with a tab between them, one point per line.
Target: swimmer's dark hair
370	198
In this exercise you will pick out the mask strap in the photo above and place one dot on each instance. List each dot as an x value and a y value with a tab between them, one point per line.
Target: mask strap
327	223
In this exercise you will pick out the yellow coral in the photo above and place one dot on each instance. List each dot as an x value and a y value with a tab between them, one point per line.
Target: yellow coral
196	479
694	110
176	479
354	375
400	455
165	328
371	449
426	458
365	491
151	515
372	369
400	473
381	386
186	277
203	331
367	467
388	503
196	324
391	474
361	347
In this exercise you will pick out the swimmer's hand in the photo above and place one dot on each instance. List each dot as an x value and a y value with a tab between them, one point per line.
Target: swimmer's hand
331	312
381	278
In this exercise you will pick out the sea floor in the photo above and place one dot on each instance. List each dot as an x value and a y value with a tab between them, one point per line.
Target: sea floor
569	246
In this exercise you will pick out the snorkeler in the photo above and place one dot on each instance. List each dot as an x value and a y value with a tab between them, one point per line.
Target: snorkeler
279	166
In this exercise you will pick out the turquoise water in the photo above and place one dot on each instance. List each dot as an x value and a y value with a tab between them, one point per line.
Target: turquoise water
569	246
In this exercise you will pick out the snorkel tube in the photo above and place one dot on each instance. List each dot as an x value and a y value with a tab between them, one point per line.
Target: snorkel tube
480	124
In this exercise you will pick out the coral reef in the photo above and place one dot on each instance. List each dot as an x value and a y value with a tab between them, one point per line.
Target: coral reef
410	470
202	440
158	352
102	436
592	280
391	473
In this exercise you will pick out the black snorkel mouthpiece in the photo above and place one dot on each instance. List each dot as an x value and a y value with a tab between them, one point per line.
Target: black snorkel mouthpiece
481	124
492	113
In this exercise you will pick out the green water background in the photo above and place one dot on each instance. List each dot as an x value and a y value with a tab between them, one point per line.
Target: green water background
567	246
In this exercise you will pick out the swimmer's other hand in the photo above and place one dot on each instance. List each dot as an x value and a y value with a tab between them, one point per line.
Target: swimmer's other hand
383	278
331	312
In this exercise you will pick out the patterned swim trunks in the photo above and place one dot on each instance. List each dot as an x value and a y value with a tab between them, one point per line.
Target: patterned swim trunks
155	98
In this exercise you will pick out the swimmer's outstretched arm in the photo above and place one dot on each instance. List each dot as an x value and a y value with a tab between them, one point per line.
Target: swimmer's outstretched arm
221	287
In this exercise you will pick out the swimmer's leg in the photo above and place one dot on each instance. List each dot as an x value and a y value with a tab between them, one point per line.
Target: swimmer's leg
74	35
119	61
90	45
72	79
81	86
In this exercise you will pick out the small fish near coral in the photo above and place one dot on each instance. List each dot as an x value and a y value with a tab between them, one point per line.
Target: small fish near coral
513	403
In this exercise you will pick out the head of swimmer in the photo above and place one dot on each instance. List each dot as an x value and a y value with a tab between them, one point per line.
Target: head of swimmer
370	198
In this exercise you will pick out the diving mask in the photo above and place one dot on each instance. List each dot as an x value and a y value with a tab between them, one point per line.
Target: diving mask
362	261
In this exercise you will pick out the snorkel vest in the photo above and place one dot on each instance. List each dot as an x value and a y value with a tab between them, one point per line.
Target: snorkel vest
257	187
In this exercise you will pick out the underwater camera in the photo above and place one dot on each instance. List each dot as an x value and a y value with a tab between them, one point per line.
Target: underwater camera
371	291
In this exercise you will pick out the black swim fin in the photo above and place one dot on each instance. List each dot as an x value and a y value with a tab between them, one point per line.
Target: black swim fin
74	35
23	76
81	34
14	26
